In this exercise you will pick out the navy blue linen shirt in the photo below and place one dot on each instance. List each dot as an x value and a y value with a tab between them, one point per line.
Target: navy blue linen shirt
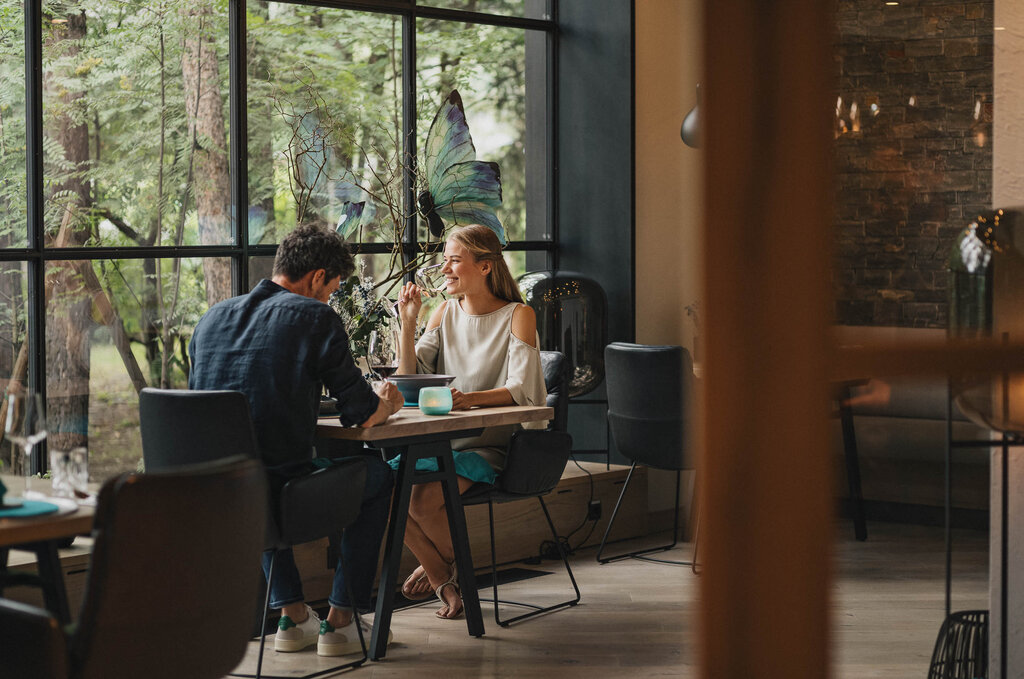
280	348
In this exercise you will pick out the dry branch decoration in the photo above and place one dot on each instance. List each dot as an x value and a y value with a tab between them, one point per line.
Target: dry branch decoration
454	189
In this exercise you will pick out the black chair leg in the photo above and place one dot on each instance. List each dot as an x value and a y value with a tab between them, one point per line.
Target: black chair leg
263	626
263	635
639	554
359	630
538	610
696	541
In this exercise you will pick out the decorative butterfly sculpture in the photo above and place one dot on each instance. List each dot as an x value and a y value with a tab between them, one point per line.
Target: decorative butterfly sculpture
460	189
353	216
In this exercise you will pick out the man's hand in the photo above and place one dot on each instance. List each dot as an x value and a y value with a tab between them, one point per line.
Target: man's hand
389	392
391	402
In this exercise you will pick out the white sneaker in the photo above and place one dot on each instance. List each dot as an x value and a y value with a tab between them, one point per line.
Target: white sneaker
293	636
344	641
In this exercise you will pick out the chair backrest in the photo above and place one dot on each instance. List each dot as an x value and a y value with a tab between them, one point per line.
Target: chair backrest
172	567
556	382
536	459
182	427
650	393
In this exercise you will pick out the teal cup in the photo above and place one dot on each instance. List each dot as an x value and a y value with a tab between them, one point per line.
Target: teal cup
435	400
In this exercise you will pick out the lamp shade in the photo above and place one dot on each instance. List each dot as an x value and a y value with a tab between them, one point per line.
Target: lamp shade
690	130
986	288
572	317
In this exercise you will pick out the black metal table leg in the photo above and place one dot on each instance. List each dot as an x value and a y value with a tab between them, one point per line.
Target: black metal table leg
460	543
406	478
392	558
860	529
54	594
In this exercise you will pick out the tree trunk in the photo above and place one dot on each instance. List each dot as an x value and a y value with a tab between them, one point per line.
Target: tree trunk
261	148
205	110
68	310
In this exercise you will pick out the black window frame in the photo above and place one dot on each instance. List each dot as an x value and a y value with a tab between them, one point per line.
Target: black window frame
541	253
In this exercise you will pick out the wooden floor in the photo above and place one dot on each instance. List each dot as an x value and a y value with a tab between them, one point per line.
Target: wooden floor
637	618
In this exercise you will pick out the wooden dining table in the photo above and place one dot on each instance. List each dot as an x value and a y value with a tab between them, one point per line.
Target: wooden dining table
42	535
413	435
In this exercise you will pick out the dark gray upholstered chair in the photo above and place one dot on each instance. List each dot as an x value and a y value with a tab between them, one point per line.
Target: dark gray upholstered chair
533	467
171	568
650	393
181	427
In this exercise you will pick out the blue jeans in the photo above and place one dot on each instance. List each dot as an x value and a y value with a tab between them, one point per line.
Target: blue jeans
360	548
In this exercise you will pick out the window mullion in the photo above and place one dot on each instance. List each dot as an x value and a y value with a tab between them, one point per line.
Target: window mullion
409	241
239	140
36	330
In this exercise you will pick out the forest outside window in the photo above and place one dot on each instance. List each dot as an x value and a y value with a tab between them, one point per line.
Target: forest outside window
129	230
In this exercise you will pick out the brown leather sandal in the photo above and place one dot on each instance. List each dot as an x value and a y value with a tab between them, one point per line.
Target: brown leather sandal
416	596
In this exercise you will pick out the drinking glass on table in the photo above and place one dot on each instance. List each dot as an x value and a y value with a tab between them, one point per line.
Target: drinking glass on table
79	472
431	281
383	353
69	472
25	428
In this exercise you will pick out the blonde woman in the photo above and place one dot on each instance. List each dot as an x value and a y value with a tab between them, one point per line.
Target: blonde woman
485	336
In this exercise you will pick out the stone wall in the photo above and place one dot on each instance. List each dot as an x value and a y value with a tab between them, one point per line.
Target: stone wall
913	152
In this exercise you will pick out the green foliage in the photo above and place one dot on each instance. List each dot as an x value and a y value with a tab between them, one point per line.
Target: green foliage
13	213
334	75
361	311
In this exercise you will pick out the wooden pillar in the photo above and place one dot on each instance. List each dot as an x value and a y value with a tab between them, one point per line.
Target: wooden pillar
767	474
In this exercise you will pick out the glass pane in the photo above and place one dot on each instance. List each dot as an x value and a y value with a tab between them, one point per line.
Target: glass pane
325	120
500	74
913	164
112	327
529	9
13	344
136	124
13	216
516	261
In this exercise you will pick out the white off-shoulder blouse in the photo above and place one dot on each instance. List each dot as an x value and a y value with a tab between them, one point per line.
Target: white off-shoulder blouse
482	353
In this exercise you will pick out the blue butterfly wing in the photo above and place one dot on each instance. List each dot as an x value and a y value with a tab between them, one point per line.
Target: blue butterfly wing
257	223
464	213
448	141
352	217
475	180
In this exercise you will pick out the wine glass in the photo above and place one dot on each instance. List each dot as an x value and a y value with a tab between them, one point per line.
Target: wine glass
25	428
430	279
383	353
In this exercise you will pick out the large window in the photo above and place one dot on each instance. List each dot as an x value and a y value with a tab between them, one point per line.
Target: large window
13	232
149	171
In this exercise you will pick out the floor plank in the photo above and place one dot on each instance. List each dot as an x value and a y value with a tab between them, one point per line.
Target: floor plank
637	618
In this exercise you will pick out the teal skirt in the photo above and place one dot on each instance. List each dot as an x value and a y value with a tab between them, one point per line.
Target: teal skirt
468	465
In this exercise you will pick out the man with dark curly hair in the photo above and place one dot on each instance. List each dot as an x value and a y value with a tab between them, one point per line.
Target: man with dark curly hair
281	344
